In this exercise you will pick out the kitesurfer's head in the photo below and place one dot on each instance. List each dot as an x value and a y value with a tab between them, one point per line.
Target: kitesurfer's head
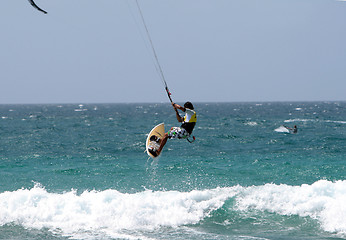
188	105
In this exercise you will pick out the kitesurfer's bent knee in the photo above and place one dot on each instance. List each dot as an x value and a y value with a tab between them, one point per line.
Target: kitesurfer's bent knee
163	142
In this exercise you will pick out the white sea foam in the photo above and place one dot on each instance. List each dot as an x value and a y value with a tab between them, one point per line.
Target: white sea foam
107	212
323	200
81	110
313	120
299	120
331	121
251	123
117	214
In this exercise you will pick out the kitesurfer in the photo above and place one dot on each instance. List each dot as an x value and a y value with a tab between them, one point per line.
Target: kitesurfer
293	130
182	132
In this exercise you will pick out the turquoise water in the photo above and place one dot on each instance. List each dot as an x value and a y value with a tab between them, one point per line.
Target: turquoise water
79	171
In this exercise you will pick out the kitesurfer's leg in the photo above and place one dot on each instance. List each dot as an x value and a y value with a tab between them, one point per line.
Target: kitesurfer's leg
162	144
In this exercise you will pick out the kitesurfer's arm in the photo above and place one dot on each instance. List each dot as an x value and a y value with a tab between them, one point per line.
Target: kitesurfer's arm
177	106
288	127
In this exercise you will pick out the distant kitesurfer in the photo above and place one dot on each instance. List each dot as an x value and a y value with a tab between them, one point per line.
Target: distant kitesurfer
293	130
182	132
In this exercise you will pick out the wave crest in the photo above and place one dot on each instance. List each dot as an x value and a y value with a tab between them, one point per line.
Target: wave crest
113	213
323	200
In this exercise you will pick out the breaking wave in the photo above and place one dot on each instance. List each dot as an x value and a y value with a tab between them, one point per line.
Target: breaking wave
112	213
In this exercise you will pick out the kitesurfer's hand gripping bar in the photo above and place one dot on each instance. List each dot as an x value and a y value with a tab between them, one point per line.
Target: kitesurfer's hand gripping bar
170	98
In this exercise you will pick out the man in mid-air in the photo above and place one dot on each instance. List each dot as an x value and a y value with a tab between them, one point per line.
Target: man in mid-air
182	132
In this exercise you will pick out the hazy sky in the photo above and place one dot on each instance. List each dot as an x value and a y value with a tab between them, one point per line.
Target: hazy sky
86	51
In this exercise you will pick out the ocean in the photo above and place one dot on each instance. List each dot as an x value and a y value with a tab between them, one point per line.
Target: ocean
79	171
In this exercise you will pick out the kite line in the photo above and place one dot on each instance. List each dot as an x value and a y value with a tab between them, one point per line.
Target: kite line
158	65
